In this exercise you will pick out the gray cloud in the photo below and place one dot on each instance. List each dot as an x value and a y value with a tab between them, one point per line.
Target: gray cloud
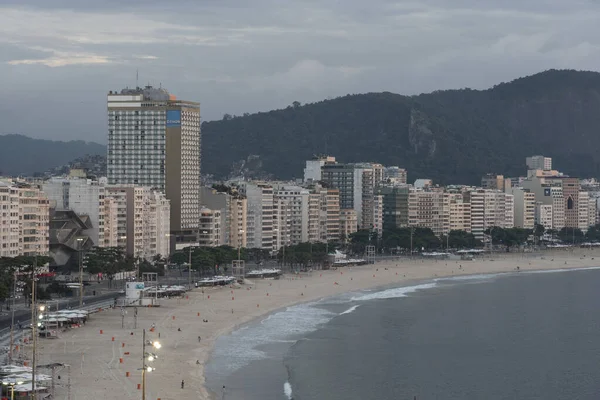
62	56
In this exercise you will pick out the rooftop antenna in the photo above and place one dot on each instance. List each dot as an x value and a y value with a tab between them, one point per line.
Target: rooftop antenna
137	86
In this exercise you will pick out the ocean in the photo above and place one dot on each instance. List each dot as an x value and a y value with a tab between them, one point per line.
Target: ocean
527	335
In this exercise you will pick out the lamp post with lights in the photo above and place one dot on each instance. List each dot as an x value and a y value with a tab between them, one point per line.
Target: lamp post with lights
147	356
11	384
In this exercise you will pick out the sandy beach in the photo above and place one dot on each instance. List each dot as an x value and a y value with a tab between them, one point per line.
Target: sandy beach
99	365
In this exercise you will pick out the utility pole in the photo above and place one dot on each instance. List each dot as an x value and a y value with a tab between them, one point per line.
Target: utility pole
33	327
190	270
12	323
143	364
411	241
80	242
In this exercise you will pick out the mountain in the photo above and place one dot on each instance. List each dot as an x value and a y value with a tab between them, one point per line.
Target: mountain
450	136
22	155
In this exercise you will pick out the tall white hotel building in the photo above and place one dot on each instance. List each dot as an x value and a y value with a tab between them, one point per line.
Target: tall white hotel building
154	141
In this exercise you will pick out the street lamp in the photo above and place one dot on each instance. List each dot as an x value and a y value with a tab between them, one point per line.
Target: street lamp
146	356
12	384
80	248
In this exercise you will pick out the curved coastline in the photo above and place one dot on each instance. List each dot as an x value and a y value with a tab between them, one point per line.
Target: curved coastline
185	354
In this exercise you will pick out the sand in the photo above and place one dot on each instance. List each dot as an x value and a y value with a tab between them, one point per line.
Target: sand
97	371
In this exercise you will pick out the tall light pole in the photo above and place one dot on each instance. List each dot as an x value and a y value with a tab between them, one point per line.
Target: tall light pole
147	357
241	232
11	384
80	248
411	241
190	269
12	322
33	327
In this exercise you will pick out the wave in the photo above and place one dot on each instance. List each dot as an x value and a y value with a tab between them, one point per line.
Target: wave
243	346
287	390
549	271
348	311
394	293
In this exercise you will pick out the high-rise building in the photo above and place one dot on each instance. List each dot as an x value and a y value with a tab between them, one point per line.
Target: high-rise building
260	214
329	219
492	181
209	234
570	190
312	171
24	219
141	224
357	184
395	175
489	208
348	223
429	209
539	162
233	208
154	141
395	206
459	218
524	208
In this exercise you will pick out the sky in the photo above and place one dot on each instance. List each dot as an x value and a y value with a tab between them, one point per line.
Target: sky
59	58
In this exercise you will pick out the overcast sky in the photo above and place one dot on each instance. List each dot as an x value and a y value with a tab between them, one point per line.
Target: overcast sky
59	58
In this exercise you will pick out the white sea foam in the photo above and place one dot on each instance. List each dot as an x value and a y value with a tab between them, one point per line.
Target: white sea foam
287	389
241	347
548	271
351	309
394	293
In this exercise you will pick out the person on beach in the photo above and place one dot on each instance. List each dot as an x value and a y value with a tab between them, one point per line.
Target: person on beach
182	383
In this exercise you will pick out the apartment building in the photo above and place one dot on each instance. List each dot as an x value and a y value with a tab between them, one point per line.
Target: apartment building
489	208
539	162
209	233
570	191
378	214
493	181
282	221
24	219
312	170
238	212
357	184
587	211
524	208
260	214
459	218
548	192
329	218
141	225
395	206
304	209
429	209
233	208
10	230
395	175
348	223
543	215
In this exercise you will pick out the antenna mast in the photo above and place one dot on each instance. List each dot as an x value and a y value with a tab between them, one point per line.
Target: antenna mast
136	78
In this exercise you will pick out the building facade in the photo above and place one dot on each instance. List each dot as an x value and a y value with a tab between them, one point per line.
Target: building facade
154	141
260	214
24	219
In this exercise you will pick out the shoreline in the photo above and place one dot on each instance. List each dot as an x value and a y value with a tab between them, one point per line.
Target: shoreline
227	310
